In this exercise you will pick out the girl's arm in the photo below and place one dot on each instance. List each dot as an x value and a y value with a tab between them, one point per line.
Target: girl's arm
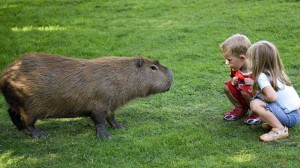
269	94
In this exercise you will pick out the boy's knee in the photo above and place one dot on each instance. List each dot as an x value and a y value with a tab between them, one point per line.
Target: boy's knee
226	88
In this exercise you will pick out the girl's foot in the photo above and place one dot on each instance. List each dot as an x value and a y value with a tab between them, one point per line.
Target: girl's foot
275	134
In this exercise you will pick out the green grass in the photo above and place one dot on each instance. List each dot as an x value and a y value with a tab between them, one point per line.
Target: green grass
180	128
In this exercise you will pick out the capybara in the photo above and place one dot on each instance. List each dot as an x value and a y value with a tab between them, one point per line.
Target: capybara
39	85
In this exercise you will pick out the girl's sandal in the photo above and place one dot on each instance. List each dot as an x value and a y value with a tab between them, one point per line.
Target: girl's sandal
275	134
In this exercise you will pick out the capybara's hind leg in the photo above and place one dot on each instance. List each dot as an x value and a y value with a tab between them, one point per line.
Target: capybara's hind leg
15	116
99	121
112	121
35	132
28	122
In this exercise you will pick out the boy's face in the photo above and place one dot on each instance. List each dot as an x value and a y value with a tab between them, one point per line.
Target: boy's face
234	62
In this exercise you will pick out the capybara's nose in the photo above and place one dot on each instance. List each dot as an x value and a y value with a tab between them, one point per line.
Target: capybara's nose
170	75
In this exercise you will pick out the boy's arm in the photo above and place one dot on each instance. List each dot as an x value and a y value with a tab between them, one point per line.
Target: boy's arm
249	81
234	80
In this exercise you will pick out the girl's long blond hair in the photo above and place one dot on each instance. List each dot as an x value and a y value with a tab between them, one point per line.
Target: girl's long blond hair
265	58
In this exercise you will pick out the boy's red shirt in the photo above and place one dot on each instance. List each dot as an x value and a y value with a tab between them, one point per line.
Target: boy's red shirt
240	76
235	90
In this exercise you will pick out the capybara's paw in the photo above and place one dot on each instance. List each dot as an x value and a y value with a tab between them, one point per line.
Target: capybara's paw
118	126
38	134
108	136
104	135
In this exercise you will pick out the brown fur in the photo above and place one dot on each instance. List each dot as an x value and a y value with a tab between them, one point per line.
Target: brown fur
40	86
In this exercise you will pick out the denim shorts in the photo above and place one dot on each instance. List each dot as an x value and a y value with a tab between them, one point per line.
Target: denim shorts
287	119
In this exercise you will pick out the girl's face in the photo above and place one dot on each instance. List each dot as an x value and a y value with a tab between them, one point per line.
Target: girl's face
235	63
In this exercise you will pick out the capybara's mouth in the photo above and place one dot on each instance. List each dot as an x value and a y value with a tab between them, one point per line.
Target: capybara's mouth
168	87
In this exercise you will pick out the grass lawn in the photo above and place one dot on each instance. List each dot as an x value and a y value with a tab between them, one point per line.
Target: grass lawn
179	128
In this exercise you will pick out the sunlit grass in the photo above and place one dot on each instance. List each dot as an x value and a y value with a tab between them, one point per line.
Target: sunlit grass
6	6
31	28
243	157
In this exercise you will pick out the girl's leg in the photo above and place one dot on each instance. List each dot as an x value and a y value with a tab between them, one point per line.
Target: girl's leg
278	130
259	107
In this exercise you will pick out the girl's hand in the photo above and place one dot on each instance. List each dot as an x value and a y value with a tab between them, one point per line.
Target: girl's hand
248	81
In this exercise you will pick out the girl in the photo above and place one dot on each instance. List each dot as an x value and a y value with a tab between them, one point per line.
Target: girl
276	102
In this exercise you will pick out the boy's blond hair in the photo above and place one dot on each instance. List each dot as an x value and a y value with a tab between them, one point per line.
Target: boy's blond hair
236	45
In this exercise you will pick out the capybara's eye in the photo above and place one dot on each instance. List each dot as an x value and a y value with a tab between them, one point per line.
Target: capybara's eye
153	67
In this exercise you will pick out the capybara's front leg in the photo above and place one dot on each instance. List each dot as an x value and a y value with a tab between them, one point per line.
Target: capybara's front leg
99	120
101	131
112	122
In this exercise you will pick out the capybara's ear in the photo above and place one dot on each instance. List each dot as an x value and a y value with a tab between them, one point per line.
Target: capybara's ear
140	62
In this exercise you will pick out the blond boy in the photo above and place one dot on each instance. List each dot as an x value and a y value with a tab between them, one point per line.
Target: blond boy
239	89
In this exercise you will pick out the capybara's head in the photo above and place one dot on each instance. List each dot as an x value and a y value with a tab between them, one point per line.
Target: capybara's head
154	77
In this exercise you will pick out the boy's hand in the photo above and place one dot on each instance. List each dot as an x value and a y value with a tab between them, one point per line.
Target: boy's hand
234	80
248	81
